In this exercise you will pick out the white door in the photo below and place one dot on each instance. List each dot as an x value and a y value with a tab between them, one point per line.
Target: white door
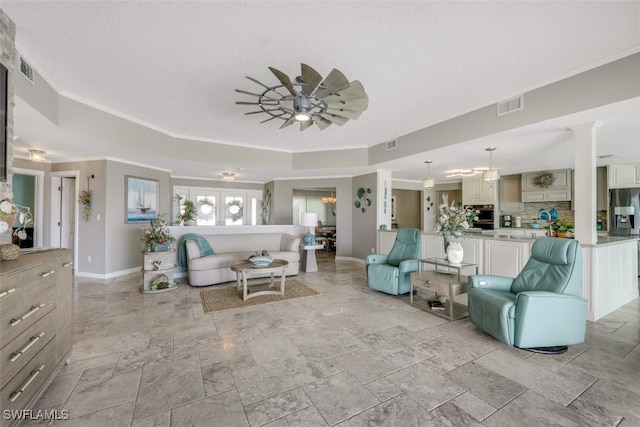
67	213
63	212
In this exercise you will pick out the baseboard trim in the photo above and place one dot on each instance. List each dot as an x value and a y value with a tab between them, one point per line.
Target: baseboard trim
120	273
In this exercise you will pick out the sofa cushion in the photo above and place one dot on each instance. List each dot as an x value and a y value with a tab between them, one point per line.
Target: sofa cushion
220	260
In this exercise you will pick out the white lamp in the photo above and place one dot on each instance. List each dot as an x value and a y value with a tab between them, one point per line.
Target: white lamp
309	219
490	175
428	181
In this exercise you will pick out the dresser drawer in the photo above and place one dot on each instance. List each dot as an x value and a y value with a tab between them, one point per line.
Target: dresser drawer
21	389
15	355
10	292
20	318
39	278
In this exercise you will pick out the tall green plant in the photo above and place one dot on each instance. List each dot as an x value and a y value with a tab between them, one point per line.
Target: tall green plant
188	210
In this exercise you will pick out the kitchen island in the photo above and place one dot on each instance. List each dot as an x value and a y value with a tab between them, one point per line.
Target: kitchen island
610	267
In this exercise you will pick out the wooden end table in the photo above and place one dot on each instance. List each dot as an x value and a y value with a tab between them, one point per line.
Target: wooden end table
446	279
245	269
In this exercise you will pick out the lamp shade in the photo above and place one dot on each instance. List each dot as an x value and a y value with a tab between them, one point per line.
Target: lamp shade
427	183
490	175
309	219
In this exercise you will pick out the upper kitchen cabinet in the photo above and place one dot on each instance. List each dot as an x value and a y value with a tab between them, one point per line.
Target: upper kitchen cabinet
558	190
624	175
510	193
476	191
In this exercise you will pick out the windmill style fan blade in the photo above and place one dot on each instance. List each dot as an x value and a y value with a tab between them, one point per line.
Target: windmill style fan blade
273	117
256	94
354	97
335	82
257	103
336	120
338	103
343	112
321	123
284	79
311	79
259	82
289	122
305	125
261	111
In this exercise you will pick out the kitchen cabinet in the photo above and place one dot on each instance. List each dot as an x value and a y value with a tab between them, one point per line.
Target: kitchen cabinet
472	251
510	194
476	191
560	190
624	175
505	257
432	246
602	193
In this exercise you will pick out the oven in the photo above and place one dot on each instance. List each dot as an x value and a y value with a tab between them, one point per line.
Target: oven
486	217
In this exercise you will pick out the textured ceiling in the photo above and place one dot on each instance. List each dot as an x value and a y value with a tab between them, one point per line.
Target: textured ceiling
174	65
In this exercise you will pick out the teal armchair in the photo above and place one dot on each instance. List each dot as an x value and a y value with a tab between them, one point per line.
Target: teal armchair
391	273
540	310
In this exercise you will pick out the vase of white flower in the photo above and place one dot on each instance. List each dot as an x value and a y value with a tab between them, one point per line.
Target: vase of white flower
452	220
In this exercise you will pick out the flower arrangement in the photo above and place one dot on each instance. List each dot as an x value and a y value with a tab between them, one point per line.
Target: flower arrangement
158	233
453	219
544	179
10	212
85	200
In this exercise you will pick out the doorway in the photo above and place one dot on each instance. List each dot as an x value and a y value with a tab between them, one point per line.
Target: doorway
28	191
64	215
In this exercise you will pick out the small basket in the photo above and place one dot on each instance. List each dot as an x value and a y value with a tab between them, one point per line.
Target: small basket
9	251
160	282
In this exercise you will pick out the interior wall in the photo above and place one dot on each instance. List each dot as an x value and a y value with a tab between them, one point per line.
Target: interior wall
408	211
282	200
364	223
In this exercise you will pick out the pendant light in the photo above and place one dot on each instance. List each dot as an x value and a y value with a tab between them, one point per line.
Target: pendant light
428	181
490	175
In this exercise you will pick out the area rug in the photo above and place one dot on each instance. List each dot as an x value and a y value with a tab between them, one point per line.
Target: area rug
229	297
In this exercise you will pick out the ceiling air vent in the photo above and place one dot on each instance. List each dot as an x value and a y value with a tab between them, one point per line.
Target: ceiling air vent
26	69
510	105
392	144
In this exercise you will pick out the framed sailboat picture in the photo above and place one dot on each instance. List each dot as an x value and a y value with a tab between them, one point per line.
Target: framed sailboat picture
141	199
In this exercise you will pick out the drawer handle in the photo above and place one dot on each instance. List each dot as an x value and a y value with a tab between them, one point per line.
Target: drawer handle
34	339
5	293
20	319
67	264
14	396
48	273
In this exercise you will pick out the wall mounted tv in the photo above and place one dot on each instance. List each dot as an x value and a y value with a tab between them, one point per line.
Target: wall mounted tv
3	122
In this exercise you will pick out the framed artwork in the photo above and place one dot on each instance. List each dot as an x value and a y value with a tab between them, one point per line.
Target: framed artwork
140	199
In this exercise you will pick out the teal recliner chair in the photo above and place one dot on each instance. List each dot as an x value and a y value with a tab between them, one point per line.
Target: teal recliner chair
540	310
390	273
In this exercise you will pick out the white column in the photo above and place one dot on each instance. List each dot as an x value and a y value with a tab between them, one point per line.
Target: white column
585	182
383	190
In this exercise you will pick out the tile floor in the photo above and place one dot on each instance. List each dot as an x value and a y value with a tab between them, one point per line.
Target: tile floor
347	357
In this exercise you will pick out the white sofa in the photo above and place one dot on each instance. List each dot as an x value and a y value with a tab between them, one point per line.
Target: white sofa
234	248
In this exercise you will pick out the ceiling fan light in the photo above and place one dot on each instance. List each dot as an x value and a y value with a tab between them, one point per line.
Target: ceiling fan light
428	183
302	116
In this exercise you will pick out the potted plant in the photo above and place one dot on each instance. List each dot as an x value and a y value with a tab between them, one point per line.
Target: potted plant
450	223
561	227
158	233
188	210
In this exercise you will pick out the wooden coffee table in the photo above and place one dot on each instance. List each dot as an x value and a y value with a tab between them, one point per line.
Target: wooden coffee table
245	269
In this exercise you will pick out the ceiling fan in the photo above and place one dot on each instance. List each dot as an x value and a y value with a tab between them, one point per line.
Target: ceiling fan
309	99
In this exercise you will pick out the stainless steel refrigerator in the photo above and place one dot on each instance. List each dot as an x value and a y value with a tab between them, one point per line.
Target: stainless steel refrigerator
624	214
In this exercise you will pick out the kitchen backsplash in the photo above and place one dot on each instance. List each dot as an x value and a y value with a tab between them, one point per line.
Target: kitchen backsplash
531	210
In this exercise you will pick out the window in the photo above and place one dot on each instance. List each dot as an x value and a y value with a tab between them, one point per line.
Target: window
221	207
